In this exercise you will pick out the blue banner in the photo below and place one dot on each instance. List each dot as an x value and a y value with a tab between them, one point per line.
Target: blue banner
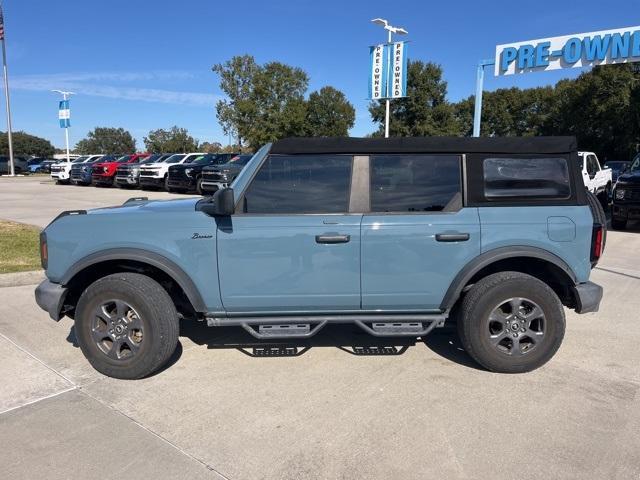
378	75
398	82
64	114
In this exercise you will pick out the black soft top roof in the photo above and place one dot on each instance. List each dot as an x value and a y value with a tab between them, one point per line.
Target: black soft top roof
535	145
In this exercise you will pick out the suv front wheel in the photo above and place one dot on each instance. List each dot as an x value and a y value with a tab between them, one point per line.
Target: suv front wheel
511	322
126	325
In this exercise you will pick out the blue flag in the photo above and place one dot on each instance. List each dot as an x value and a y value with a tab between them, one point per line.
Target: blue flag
64	114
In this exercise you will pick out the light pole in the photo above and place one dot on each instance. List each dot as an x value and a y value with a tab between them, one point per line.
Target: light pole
65	97
390	29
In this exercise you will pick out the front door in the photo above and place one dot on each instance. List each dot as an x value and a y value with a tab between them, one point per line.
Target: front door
418	236
294	247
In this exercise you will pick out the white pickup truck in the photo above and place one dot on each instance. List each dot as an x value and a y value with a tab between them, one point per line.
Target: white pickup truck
598	180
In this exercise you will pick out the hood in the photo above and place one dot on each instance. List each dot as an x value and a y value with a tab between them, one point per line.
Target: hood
629	178
152	165
148	206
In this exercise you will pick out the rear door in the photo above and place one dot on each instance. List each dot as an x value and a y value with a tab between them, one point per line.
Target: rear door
418	235
294	247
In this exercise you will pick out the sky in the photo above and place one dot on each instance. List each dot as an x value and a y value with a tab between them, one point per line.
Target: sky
142	64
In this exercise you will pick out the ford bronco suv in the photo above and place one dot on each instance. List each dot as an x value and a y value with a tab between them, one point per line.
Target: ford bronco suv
397	236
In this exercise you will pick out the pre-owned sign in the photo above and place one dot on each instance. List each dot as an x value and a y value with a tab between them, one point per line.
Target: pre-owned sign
570	51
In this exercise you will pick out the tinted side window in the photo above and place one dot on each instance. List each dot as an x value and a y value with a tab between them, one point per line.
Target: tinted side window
300	184
413	183
526	177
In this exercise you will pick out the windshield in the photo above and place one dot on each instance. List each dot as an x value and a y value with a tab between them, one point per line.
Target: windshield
124	158
204	159
151	159
240	160
635	166
80	159
174	158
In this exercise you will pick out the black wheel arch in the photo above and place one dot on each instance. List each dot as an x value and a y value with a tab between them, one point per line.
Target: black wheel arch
113	260
537	262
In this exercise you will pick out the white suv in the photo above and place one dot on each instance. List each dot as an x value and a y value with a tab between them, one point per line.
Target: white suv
156	174
61	171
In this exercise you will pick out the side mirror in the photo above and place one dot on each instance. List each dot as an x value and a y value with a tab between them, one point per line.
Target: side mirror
222	204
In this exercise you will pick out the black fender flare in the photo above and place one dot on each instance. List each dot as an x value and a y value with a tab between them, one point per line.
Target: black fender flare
484	260
144	256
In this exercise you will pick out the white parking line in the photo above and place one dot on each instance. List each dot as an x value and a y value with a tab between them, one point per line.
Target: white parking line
31	402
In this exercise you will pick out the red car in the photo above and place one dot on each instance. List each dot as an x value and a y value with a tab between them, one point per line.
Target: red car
104	173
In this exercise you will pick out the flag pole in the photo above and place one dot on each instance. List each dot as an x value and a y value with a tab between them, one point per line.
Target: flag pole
6	92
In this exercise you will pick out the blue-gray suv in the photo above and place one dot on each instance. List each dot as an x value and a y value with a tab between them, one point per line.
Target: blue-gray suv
397	236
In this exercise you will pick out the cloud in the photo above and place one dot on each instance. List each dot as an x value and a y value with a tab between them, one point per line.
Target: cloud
97	85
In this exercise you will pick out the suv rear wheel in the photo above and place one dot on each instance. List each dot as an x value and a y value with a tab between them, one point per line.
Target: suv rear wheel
511	322
126	325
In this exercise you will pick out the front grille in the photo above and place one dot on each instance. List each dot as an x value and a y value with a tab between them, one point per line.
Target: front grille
214	176
632	195
149	172
177	174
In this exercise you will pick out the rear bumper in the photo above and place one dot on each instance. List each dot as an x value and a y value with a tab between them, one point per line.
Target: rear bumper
588	296
50	297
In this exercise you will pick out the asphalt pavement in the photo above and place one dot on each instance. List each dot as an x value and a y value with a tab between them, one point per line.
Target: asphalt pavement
339	405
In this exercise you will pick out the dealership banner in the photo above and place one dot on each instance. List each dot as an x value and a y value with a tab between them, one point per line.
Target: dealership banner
398	82
605	47
64	114
378	75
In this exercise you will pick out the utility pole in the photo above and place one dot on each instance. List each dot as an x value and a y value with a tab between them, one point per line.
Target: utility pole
12	171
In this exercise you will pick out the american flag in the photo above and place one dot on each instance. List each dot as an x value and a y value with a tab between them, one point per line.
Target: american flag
1	24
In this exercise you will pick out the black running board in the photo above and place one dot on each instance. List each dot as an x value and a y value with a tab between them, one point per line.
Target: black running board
381	325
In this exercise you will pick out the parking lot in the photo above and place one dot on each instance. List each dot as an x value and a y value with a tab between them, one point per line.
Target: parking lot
339	405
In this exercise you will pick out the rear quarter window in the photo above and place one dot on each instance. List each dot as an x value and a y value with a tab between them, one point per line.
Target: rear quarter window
531	178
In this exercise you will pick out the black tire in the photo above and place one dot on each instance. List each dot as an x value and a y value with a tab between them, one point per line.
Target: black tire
618	224
166	183
153	312
199	190
598	215
475	323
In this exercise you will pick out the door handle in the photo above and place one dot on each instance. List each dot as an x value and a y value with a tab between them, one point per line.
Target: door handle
452	237
331	239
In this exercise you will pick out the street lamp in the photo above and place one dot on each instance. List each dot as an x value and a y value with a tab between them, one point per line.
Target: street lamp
65	96
398	31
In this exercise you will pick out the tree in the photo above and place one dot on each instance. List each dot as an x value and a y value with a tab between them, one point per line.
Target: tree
210	147
117	141
236	81
507	112
174	140
329	113
600	108
425	111
26	144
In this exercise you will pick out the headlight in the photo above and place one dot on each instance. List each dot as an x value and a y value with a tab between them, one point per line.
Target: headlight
187	171
620	193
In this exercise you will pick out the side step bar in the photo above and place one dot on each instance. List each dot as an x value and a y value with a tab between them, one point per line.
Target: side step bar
381	325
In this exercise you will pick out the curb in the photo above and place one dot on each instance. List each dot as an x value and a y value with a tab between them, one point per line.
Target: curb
21	278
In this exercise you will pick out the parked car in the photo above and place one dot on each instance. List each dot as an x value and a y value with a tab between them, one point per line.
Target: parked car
128	174
393	235
19	165
597	180
40	164
617	167
186	177
104	171
626	196
81	172
155	175
216	177
61	171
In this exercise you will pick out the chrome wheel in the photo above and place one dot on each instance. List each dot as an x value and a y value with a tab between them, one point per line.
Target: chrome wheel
516	326
117	330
